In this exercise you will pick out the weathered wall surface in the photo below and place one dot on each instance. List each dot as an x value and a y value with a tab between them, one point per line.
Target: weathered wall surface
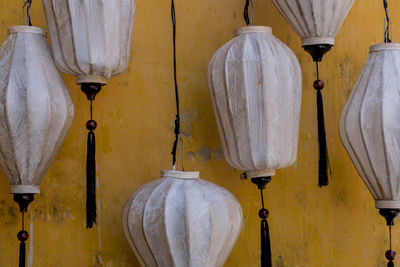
333	226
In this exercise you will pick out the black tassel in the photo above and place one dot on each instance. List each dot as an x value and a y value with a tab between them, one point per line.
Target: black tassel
390	264
323	152
266	260
22	254
91	180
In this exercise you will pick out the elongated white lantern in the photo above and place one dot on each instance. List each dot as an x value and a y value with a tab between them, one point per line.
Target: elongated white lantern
91	39
370	129
181	220
315	21
370	126
255	88
36	110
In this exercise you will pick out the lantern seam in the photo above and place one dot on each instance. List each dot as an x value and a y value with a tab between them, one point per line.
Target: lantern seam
236	162
363	135
13	41
64	68
350	146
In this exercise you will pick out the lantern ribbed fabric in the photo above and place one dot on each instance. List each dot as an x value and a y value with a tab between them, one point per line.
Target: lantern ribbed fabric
36	109
315	21
255	89
91	39
370	126
181	220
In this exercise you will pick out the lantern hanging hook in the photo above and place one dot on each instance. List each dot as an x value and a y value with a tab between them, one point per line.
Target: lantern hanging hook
27	6
248	13
387	38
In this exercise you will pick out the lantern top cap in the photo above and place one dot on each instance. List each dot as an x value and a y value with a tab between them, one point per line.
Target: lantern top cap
29	29
180	175
252	29
384	46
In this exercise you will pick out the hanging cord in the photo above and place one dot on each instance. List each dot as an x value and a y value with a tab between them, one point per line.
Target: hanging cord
27	5
249	14
99	255
91	215
266	259
178	137
324	165
387	38
22	237
390	254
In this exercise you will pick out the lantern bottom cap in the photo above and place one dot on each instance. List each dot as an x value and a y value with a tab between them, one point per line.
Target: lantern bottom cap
25	189
180	174
91	79
387	204
260	173
318	40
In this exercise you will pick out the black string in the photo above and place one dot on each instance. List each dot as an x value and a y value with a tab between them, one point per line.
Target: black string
246	12
91	109
387	37
27	5
316	63
262	198
177	130
23	221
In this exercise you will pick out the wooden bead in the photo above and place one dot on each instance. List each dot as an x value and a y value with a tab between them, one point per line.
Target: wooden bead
318	85
23	236
91	125
263	213
390	254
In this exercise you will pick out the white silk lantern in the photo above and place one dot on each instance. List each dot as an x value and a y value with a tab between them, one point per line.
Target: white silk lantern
315	21
181	220
36	112
255	88
370	126
370	129
91	40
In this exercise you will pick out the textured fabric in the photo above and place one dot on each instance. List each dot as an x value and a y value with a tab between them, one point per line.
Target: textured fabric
315	21
91	39
181	220
36	109
370	126
255	89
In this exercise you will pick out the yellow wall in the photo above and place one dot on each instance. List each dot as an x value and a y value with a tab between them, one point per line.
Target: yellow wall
334	226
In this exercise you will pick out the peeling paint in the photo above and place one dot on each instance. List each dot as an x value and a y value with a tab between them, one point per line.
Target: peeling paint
187	117
191	155
218	153
205	152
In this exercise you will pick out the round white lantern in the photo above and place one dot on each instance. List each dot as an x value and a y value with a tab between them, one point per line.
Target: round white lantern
181	220
91	39
315	21
255	88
